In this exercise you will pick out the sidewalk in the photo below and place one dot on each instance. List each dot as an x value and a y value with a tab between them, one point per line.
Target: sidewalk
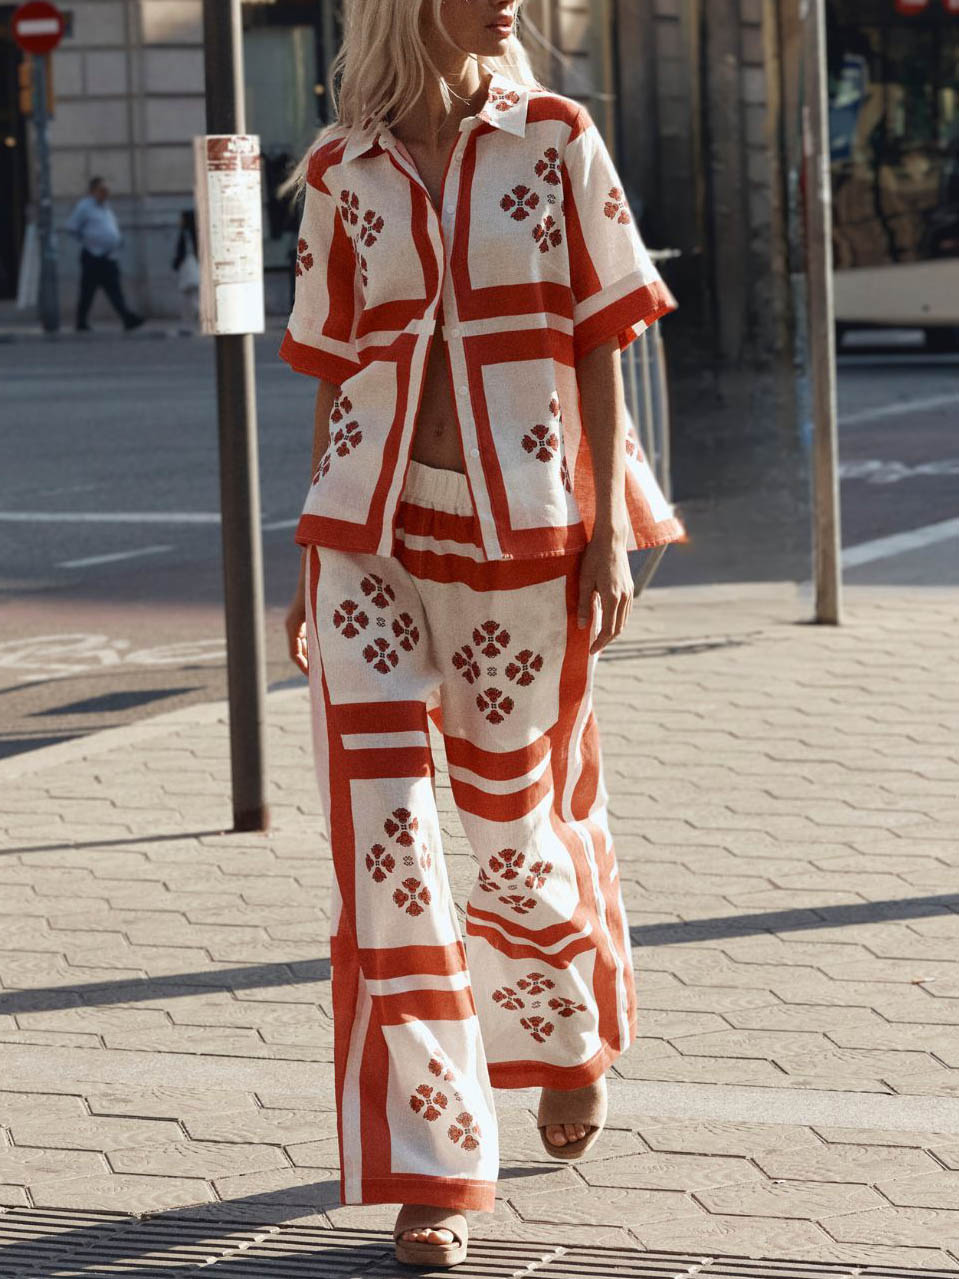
785	803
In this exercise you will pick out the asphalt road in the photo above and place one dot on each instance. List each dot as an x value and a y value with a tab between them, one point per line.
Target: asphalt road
110	571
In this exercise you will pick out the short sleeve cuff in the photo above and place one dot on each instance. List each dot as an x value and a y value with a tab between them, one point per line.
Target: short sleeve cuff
321	362
620	311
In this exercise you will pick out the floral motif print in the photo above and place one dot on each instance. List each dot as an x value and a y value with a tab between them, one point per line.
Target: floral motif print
380	863
542	441
413	896
304	258
630	446
346	438
494	705
535	983
381	656
524	667
372	226
616	206
406	632
566	1007
438	1065
323	468
381	593
564	474
349	208
465	1132
491	638
547	234
538	1027
548	167
507	998
401	825
507	862
487	884
466	664
502	99
537	874
518	903
519	202
349	619
429	1103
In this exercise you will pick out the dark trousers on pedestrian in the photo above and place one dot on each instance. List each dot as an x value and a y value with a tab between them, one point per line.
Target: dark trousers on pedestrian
100	273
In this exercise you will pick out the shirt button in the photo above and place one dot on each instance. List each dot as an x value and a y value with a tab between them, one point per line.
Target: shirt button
454	333
463	390
474	452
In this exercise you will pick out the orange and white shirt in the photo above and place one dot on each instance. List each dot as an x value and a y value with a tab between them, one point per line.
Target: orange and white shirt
535	258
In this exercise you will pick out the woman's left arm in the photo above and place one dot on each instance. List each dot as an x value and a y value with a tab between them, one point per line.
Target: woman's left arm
605	570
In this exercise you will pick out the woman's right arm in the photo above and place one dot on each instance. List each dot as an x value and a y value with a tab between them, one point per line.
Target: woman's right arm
296	614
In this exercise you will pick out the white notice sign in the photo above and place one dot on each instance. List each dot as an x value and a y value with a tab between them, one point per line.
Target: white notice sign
229	232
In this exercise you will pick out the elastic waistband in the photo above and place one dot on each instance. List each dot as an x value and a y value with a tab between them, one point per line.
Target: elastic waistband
437	488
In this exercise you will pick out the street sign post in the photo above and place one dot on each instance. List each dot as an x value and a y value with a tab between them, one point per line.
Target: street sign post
230	280
38	28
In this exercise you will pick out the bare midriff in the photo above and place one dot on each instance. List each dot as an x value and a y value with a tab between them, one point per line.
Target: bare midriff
436	437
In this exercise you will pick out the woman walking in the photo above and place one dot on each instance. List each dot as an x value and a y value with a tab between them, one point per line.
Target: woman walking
468	273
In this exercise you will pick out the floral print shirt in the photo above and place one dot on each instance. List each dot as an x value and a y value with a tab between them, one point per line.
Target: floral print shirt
535	258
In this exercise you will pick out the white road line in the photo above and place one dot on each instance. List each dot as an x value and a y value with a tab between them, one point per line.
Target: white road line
882	548
278	524
114	558
898	409
108	517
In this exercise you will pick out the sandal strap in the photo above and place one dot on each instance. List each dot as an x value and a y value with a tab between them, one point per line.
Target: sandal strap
578	1106
422	1217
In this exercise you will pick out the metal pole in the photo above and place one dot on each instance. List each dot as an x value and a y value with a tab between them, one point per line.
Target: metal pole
239	477
821	329
49	297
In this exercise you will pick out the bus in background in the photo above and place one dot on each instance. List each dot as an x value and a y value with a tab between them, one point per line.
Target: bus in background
894	143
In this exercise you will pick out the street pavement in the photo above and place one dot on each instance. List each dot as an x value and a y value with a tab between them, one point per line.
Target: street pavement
784	801
110	572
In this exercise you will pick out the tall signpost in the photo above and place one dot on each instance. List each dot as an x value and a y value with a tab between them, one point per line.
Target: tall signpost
38	28
821	326
230	252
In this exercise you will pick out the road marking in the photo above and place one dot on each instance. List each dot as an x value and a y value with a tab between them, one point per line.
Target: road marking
884	471
882	548
91	560
278	524
899	408
108	517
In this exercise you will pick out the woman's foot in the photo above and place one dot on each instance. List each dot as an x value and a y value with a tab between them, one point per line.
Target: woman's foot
426	1234
562	1134
570	1121
434	1237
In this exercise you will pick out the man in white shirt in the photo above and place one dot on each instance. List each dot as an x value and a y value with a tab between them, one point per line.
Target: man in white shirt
94	224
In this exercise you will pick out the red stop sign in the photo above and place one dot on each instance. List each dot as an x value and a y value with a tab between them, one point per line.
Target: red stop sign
38	26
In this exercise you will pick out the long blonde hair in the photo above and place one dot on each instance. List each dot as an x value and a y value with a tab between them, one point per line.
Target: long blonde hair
382	65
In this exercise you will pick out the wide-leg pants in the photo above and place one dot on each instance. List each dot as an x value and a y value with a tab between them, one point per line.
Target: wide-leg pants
542	993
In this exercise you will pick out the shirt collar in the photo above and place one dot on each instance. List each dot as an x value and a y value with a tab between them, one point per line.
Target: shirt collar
505	108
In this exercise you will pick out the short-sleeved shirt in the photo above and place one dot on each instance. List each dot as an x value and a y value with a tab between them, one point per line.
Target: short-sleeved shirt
535	258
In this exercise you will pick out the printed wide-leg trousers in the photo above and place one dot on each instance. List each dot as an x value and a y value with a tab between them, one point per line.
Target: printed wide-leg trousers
542	993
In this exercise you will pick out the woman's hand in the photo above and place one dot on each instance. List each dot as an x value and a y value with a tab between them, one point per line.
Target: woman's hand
295	623
604	571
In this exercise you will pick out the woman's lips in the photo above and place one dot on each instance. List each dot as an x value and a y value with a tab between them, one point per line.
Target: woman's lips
503	27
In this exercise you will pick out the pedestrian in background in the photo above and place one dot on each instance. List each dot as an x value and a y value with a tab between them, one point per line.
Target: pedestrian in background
94	224
468	272
187	267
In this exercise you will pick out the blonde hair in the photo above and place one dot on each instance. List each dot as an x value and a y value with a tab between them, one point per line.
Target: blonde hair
382	66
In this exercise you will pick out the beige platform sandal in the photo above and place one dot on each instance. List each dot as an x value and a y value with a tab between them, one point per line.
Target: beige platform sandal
578	1106
437	1256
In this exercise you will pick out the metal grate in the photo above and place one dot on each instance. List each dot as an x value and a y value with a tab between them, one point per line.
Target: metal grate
55	1244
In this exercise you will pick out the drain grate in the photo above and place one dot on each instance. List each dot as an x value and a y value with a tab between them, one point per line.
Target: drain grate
53	1244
